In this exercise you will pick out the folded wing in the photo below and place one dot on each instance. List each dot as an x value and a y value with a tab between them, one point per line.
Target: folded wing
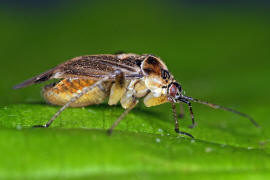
90	67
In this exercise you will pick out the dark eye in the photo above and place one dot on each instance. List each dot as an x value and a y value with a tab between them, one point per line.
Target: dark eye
173	90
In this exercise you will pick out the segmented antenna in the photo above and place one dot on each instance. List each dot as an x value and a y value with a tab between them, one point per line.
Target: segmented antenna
215	106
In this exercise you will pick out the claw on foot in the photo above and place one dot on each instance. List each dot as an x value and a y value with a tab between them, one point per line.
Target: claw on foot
183	133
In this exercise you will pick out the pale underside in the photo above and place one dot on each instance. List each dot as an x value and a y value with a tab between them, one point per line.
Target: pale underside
128	95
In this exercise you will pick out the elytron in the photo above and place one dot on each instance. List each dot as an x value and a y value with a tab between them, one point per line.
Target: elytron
124	78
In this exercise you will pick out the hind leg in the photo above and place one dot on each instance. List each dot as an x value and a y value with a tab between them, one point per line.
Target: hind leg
75	99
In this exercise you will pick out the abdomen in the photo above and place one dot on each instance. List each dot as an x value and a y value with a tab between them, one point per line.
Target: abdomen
62	92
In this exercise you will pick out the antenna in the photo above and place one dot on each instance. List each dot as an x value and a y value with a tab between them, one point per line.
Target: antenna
215	106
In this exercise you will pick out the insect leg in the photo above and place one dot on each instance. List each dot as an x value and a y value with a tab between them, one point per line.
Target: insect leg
177	123
76	97
191	112
128	100
121	117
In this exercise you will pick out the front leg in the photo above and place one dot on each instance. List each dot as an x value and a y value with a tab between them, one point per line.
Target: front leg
191	113
151	100
177	123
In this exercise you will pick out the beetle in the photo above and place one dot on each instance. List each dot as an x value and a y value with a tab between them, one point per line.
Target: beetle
124	78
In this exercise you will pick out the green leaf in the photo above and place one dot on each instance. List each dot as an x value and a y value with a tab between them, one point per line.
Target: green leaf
218	52
144	145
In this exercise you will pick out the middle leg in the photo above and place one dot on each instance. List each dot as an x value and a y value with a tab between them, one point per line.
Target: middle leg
121	117
120	91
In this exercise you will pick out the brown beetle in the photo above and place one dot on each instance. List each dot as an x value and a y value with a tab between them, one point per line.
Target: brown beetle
87	80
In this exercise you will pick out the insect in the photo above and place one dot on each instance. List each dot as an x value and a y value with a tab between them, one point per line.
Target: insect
124	78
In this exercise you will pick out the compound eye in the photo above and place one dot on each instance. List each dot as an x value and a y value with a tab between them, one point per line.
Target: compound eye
173	90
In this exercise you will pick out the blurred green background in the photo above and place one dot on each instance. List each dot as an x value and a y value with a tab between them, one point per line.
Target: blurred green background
218	51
